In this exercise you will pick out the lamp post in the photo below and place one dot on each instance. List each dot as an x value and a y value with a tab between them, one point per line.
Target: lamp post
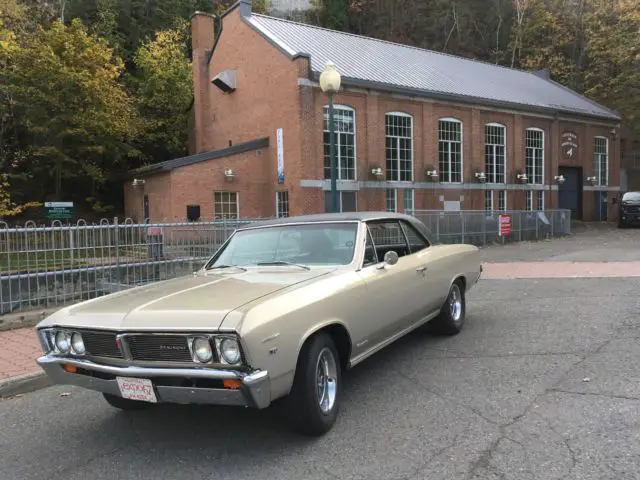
330	84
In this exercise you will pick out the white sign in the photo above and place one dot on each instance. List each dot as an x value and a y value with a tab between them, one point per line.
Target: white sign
58	204
451	206
137	389
280	150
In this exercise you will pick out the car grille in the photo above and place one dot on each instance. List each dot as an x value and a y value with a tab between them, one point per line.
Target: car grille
150	348
170	348
101	344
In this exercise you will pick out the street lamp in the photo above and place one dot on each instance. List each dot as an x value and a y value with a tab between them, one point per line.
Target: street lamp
330	84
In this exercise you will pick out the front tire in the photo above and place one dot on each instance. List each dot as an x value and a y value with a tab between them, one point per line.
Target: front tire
125	403
314	400
452	314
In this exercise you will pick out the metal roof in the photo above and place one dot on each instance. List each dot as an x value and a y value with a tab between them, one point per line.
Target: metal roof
174	163
368	62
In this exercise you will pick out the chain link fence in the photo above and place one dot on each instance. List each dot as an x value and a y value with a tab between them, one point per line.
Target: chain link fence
483	228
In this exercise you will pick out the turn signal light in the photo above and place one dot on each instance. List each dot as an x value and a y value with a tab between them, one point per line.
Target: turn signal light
70	368
232	384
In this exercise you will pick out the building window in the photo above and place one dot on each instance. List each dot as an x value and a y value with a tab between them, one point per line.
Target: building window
529	200
540	200
409	200
225	205
282	204
347	201
534	155
601	160
488	201
391	199
450	150
344	119
502	200
494	153
399	147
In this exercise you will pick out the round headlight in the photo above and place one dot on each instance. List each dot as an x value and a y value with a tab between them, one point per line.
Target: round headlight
77	344
202	350
63	342
230	350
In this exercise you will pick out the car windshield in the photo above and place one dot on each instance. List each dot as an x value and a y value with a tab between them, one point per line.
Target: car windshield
301	245
631	197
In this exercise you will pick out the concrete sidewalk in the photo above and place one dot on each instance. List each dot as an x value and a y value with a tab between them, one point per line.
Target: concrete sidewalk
19	372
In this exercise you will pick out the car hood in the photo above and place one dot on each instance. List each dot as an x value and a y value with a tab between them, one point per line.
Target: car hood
195	302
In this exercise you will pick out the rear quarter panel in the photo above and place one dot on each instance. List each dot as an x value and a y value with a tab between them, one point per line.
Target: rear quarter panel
448	262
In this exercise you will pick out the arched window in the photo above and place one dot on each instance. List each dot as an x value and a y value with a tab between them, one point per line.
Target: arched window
601	160
450	150
495	156
399	146
344	119
534	155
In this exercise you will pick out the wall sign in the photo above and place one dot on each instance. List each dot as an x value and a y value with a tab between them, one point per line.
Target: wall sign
504	225
280	150
569	145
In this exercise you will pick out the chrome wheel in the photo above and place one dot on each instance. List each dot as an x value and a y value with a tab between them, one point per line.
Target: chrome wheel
326	380
455	303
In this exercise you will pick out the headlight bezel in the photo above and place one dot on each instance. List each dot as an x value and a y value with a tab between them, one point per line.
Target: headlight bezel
194	349
50	346
220	341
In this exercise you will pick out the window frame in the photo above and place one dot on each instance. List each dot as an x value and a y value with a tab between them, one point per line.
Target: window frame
278	202
395	200
403	225
488	194
540	199
237	202
449	142
340	193
494	154
410	193
398	149
347	108
597	163
528	200
502	194
530	179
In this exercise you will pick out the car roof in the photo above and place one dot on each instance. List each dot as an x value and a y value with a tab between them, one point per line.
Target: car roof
342	217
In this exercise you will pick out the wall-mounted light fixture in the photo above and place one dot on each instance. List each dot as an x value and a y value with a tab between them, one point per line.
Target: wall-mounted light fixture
592	180
137	182
522	177
228	174
431	173
376	171
559	178
480	176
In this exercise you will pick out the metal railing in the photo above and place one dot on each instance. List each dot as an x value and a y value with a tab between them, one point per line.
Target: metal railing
482	228
50	266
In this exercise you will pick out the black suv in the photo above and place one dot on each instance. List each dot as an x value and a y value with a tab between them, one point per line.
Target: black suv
629	211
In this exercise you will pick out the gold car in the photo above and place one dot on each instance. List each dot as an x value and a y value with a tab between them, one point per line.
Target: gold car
280	310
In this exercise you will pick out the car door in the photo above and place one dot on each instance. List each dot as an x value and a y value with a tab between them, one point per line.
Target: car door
394	296
428	264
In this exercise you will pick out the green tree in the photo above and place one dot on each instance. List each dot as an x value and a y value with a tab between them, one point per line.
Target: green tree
72	111
163	91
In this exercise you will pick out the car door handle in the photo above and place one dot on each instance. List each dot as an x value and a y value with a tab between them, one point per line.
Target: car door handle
423	268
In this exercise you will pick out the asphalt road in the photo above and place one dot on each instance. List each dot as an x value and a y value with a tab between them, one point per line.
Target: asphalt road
543	383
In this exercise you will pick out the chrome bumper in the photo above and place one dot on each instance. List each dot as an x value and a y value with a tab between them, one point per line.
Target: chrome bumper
254	390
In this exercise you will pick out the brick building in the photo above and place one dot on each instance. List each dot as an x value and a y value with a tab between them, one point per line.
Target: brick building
430	121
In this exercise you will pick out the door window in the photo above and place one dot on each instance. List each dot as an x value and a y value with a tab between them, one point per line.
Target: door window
416	241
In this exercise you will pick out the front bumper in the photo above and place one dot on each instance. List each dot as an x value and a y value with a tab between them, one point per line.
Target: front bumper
171	385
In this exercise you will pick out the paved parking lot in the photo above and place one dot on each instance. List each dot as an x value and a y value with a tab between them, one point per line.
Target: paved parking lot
543	383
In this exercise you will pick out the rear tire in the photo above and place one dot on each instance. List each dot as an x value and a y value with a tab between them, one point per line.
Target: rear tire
314	401
125	403
452	314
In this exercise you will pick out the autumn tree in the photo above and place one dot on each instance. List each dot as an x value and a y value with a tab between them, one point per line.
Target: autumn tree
163	91
72	111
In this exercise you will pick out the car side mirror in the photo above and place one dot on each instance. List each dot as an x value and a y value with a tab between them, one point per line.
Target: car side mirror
390	258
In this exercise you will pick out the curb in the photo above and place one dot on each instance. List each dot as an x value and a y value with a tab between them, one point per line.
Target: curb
13	321
27	383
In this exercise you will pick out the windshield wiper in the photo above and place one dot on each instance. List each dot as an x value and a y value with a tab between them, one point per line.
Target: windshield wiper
264	264
227	266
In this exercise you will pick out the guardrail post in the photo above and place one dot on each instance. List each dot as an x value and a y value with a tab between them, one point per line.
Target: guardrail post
117	233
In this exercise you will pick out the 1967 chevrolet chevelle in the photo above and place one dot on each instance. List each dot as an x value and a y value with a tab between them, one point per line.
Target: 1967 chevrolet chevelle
279	311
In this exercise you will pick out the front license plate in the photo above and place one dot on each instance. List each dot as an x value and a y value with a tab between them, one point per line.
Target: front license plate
137	389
